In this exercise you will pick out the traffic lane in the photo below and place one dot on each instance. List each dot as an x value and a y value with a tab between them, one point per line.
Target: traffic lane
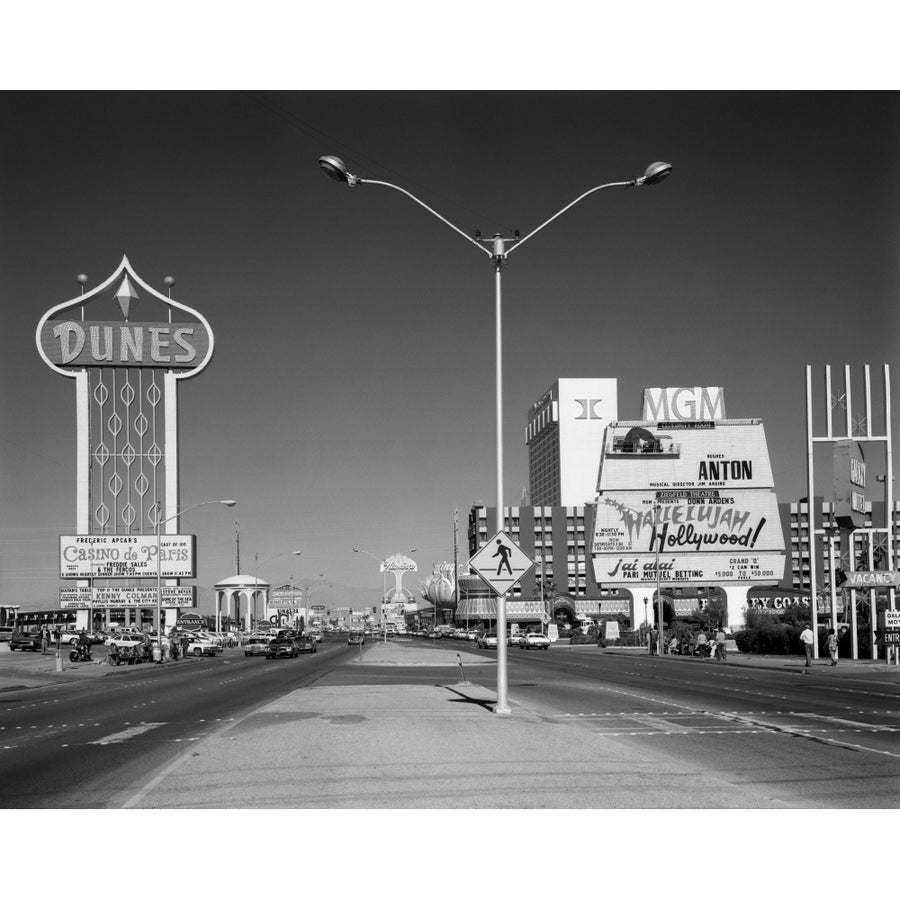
779	753
720	686
608	686
79	745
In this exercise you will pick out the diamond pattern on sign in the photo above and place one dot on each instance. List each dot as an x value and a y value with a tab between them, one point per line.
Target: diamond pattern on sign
141	424
142	484
114	423
128	454
115	484
128	515
101	454
101	514
101	394
127	393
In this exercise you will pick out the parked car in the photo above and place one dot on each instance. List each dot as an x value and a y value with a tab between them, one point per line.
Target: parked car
281	646
432	636
535	640
472	635
356	637
5	632
25	640
124	639
488	640
307	644
256	646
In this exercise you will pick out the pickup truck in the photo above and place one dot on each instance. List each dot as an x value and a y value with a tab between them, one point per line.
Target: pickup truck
25	640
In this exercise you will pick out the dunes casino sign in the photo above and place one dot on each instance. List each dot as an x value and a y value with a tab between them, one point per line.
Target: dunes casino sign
69	340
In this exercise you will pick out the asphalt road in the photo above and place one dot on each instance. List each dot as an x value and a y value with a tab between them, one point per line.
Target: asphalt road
786	738
793	737
81	745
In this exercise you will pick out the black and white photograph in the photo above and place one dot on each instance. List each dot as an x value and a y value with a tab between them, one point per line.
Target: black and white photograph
404	471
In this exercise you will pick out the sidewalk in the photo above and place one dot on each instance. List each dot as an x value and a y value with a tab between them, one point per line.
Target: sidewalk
26	669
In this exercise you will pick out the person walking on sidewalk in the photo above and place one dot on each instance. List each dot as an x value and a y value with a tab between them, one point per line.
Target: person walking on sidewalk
720	644
831	642
45	640
806	638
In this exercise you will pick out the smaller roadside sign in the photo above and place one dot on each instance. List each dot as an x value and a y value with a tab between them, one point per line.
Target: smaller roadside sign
888	637
892	619
857	580
501	563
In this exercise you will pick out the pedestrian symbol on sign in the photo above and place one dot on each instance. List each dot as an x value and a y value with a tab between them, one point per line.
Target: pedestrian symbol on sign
503	553
501	563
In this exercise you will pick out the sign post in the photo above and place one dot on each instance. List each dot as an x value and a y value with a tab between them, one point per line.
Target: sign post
501	563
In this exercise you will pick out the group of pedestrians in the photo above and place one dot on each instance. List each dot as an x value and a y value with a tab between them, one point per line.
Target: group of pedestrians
807	638
698	644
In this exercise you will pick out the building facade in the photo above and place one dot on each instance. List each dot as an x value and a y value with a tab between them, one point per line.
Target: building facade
564	436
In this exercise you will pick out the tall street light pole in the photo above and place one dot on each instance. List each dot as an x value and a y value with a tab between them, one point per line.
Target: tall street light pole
159	523
498	251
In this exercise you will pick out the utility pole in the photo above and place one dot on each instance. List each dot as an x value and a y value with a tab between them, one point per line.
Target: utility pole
237	543
455	561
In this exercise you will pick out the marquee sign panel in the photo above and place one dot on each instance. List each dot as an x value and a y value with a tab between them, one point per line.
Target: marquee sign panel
628	570
687	521
685	455
173	597
126	556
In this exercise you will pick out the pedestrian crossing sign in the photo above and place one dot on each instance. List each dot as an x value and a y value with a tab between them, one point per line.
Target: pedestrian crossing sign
501	563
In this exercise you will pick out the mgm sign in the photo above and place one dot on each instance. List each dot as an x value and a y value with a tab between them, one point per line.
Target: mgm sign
126	346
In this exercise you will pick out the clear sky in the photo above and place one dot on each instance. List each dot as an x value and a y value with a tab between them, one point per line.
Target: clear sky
350	401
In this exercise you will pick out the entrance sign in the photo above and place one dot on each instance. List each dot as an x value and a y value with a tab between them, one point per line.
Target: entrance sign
126	556
501	563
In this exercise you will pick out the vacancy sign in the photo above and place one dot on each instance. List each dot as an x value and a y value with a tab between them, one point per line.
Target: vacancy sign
501	563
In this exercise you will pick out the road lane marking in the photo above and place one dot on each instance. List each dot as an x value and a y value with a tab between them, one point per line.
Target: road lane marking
121	736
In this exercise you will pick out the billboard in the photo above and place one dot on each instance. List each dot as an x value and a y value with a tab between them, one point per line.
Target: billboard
687	522
686	455
849	464
76	344
126	556
696	494
287	598
173	597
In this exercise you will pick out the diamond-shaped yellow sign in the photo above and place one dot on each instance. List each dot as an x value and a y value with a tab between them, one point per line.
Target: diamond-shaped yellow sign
501	563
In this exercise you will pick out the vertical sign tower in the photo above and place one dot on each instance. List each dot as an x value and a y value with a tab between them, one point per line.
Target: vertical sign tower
126	346
849	487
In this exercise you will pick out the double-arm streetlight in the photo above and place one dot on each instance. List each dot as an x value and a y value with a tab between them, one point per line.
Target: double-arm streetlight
498	250
382	562
159	523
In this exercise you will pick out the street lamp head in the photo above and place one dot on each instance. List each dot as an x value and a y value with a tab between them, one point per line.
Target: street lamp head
334	168
229	502
656	172
296	552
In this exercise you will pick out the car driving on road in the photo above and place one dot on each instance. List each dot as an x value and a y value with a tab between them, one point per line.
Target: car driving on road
535	640
280	647
488	640
256	646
